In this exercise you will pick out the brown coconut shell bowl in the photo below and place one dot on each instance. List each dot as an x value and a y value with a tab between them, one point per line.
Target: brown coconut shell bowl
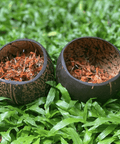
89	67
23	90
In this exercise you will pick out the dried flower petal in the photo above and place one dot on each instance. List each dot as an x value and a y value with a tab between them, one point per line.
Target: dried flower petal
21	68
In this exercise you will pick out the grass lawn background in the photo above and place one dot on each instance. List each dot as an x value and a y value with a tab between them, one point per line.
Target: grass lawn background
52	119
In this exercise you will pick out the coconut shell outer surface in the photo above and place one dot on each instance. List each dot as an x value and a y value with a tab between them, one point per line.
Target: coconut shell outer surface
83	91
26	91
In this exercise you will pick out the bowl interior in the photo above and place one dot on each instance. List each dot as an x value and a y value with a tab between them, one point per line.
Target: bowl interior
10	50
92	53
19	64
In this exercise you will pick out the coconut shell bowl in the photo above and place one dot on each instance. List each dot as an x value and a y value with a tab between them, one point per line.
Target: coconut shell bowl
89	67
25	66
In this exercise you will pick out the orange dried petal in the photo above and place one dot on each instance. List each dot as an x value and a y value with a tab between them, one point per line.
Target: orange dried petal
94	81
88	68
97	70
71	58
72	63
83	78
6	79
110	77
99	81
103	78
96	77
31	52
36	60
23	55
106	74
83	62
89	73
1	70
17	58
39	68
17	78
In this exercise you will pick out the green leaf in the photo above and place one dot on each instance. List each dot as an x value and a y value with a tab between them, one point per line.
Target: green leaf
53	33
47	141
24	132
63	124
117	142
62	104
44	120
6	135
99	121
24	140
114	118
81	5
65	94
7	114
4	98
63	141
109	101
74	136
75	110
117	133
36	109
107	140
87	137
87	106
50	97
29	120
99	109
64	113
4	115
41	132
106	132
38	102
37	141
51	83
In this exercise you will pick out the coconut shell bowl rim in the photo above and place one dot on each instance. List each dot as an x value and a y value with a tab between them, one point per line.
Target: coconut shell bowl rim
39	74
86	83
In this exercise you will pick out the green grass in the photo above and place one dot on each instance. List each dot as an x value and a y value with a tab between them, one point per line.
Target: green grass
54	119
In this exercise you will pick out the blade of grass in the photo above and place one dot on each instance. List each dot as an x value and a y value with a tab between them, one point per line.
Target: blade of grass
107	141
99	109
109	101
87	137
99	121
74	136
47	141
65	94
51	83
24	140
6	135
63	124
63	141
4	98
87	106
106	132
50	97
37	141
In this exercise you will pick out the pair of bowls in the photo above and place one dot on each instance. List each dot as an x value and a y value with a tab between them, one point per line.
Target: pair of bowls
27	91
